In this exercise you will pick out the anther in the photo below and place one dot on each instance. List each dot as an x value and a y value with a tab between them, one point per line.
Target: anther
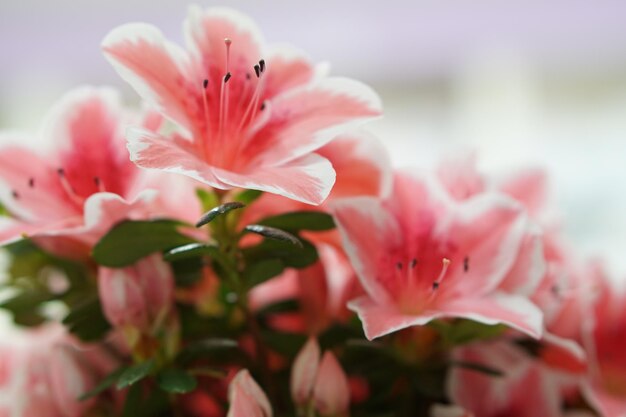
257	70
262	106
466	264
15	194
262	65
227	77
413	263
435	285
248	76
205	83
31	182
399	266
61	172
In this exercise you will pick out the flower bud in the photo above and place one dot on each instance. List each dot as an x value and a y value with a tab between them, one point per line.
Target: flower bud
246	398
138	296
331	392
304	372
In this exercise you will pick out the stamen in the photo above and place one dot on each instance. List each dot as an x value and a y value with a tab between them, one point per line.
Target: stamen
263	106
31	182
444	269
399	266
227	42
466	264
248	76
413	263
205	106
262	65
257	70
15	194
67	187
435	285
227	77
99	184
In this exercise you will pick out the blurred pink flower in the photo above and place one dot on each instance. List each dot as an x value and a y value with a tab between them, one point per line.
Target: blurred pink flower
68	197
44	371
421	256
606	388
527	388
252	116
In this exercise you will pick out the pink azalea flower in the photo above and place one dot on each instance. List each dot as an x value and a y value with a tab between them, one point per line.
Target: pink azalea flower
246	398
252	116
526	389
606	387
68	197
421	256
44	371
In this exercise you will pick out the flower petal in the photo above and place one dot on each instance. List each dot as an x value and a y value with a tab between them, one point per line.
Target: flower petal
529	267
331	393
366	229
287	68
489	230
308	179
87	124
45	199
155	68
513	310
150	150
362	164
205	31
245	394
381	319
308	117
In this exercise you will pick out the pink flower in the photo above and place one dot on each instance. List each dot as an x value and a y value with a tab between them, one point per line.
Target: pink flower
421	256
251	116
138	296
71	195
321	384
246	398
45	372
526	389
606	387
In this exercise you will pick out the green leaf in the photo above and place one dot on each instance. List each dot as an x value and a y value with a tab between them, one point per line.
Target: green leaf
176	381
191	250
283	342
248	197
3	211
86	320
462	331
214	348
105	384
220	210
130	241
292	256
300	220
135	373
24	306
187	272
273	233
259	272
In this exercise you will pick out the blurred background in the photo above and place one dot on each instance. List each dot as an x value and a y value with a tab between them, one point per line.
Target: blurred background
539	83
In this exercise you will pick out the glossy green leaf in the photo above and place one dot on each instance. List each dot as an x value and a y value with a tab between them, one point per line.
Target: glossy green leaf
300	220
103	385
135	373
259	272
176	381
130	241
190	250
291	255
86	320
220	210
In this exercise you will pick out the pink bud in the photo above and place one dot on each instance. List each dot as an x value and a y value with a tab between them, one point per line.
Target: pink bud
331	393
138	295
304	371
246	398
